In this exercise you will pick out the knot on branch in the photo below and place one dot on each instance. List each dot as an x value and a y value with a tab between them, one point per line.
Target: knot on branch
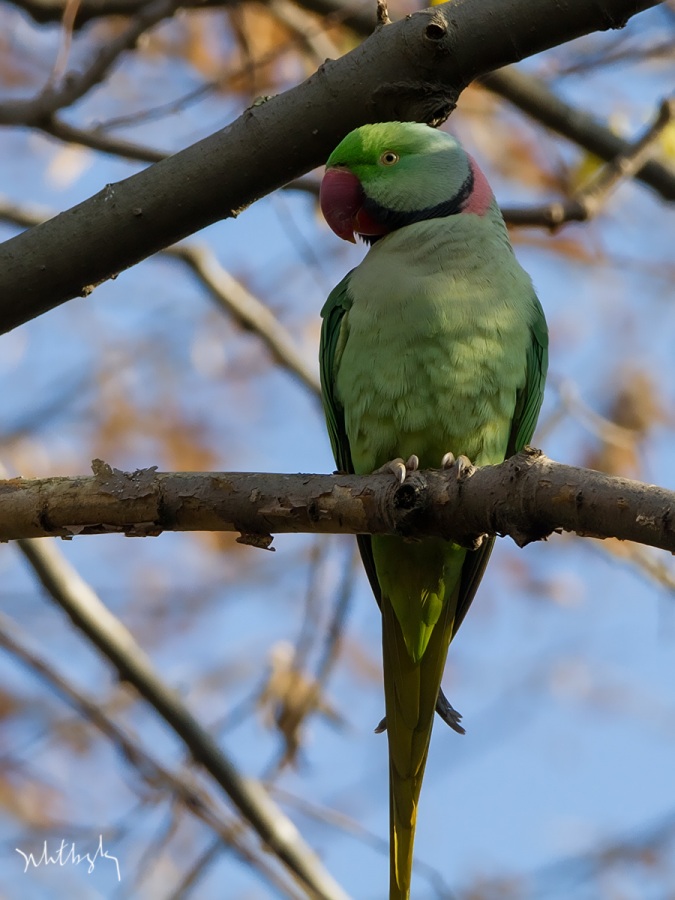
408	495
435	31
414	101
415	507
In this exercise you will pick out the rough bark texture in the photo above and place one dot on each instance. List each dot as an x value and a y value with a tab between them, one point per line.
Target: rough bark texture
528	497
413	69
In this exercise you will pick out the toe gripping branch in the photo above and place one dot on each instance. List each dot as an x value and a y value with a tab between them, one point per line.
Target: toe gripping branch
414	510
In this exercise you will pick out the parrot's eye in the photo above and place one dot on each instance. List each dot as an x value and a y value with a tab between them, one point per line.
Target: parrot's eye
389	158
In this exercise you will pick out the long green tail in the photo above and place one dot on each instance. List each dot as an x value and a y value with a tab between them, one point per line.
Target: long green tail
411	690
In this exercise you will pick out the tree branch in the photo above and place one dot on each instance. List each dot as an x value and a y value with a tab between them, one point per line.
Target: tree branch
527	497
413	69
587	201
75	85
249	312
114	640
180	786
98	140
52	10
231	295
533	97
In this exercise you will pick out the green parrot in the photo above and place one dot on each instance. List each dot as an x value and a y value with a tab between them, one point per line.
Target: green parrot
433	352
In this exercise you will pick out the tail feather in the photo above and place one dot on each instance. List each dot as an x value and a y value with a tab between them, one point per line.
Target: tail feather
411	691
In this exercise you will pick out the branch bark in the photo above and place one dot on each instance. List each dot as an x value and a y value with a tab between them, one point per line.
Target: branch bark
413	69
527	497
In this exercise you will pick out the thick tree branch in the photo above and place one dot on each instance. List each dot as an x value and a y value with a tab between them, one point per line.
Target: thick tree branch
413	69
527	497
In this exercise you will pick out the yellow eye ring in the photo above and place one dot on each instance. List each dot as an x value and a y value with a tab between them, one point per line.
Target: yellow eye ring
389	158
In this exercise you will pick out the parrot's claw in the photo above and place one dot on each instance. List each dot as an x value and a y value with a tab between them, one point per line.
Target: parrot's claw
448	461
400	469
465	468
448	713
444	709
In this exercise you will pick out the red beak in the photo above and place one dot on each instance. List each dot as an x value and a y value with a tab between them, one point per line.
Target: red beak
341	198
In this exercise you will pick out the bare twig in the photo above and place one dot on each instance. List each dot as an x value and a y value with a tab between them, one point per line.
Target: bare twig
92	617
25	215
313	40
247	310
607	431
587	201
196	871
533	97
231	295
336	625
527	497
98	140
76	84
191	797
290	692
68	22
610	53
646	562
649	845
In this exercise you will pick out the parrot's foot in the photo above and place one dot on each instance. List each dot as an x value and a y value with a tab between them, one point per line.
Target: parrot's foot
465	468
449	715
398	468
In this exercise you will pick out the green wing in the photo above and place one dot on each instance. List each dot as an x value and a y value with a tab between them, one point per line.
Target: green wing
528	404
333	315
529	399
332	337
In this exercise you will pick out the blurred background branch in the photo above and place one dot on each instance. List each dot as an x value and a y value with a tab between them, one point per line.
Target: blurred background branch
183	788
91	616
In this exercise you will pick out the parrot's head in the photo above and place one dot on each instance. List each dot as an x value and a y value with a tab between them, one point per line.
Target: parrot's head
384	176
